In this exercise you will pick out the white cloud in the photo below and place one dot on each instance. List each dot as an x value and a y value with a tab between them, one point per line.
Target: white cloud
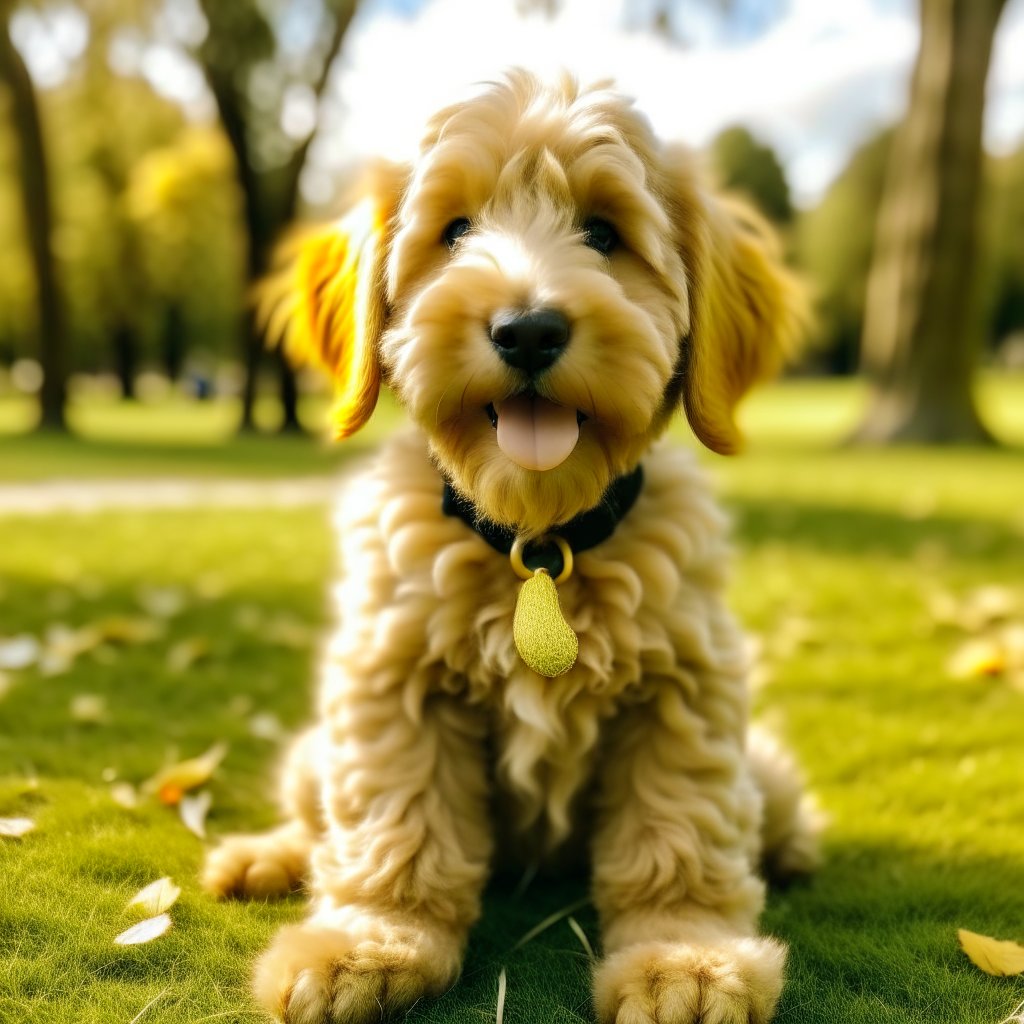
816	83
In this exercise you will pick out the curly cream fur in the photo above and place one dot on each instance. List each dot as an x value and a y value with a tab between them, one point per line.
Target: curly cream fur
429	719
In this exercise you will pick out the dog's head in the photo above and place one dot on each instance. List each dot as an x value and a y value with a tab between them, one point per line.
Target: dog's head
542	289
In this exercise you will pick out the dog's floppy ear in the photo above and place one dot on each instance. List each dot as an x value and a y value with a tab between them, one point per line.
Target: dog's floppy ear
747	311
325	301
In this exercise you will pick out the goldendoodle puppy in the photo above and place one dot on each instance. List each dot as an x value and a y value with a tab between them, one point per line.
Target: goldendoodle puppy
541	289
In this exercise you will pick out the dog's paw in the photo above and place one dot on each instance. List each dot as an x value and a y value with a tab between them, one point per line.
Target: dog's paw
317	975
735	981
260	866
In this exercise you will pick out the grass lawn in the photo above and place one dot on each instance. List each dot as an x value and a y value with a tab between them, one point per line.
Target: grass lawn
844	560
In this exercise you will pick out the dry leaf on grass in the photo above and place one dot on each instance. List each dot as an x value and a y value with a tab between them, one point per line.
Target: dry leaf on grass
185	653
193	811
145	931
993	956
14	828
63	644
978	659
21	651
171	783
161	602
157	897
124	794
89	708
267	726
126	629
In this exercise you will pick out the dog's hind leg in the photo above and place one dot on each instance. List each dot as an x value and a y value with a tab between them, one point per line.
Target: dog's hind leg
791	825
274	863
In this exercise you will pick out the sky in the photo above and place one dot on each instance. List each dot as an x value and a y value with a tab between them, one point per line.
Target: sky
813	78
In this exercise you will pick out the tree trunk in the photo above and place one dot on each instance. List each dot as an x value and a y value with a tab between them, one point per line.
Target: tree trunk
268	206
39	229
173	342
125	344
922	323
289	393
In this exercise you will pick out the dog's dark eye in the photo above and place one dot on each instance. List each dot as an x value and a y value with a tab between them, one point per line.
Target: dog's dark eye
600	235
455	230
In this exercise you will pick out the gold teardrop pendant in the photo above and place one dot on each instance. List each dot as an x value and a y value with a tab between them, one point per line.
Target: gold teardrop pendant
544	639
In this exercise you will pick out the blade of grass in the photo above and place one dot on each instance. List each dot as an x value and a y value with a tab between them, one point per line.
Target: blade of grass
156	999
499	1014
582	936
549	921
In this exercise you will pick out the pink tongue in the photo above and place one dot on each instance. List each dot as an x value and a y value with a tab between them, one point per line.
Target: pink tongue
536	433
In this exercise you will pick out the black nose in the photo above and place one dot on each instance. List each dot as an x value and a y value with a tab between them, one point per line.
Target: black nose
532	340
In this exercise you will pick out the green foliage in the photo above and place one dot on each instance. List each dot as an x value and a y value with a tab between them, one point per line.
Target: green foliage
834	246
183	202
98	127
745	165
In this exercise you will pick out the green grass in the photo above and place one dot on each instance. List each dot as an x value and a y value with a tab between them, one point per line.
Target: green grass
839	552
174	437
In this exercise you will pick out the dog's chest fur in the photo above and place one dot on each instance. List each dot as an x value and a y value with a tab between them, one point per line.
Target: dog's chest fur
425	605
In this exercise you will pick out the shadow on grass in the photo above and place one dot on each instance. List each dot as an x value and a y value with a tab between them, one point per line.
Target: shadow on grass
872	940
864	532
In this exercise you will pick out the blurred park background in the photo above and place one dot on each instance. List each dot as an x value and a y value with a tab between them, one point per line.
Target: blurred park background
152	151
165	484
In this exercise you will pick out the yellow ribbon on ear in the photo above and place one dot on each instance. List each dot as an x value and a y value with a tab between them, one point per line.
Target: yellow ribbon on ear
341	310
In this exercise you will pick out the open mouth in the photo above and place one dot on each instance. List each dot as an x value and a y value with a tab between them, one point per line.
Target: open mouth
534	432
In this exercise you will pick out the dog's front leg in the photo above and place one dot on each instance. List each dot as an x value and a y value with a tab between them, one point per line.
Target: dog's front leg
397	877
673	876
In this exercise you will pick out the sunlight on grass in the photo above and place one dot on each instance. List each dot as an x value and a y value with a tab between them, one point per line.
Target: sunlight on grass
843	558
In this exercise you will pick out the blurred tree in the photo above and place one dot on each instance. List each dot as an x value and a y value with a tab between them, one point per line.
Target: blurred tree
35	181
267	89
184	203
101	125
743	164
131	119
834	244
922	326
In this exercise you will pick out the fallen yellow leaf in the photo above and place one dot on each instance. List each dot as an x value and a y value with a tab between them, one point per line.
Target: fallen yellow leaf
145	931
172	782
156	897
184	654
993	956
978	658
124	629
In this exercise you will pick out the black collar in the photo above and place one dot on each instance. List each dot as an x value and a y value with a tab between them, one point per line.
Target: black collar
587	530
